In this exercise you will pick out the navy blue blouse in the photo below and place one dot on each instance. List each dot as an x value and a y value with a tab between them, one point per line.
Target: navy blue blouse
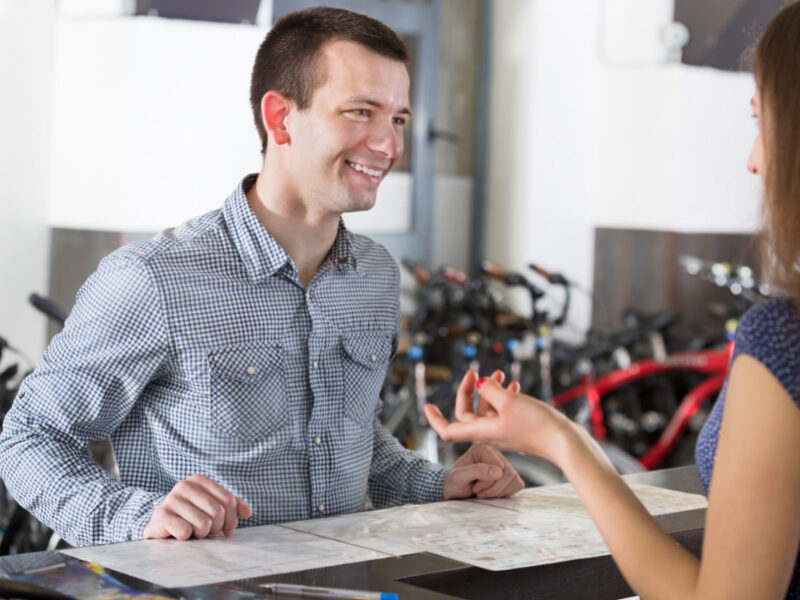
770	333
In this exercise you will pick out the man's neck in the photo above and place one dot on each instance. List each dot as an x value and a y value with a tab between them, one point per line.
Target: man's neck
305	234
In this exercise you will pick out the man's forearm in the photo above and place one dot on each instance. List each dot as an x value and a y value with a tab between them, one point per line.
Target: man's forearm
57	481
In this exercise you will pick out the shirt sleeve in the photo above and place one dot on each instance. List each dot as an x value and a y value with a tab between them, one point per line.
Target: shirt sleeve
398	475
114	343
770	333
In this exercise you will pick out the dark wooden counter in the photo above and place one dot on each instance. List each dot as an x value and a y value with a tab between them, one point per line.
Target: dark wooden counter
429	577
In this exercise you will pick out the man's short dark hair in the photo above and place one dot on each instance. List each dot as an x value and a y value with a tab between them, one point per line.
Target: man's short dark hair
287	61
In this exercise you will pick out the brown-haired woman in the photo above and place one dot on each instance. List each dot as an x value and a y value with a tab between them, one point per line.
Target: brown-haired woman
751	439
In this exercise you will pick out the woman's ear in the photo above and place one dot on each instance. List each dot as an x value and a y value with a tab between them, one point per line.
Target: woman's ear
274	108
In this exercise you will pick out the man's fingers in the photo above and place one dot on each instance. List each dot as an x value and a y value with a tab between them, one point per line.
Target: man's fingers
242	511
199	507
167	521
513	387
515	485
463	476
199	519
177	527
499	376
245	512
494	489
216	502
464	396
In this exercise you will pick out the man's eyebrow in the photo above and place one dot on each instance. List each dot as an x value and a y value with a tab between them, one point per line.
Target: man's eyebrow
365	100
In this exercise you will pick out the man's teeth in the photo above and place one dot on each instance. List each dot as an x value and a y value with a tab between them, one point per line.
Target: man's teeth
364	169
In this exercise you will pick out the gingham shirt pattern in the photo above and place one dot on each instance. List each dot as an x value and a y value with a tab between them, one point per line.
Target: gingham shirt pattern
200	352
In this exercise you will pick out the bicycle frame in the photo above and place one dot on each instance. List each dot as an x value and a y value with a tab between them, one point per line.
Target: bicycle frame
713	362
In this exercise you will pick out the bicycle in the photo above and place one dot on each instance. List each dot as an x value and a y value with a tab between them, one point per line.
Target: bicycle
712	364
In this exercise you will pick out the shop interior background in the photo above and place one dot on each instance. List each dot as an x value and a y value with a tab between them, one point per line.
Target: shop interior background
554	119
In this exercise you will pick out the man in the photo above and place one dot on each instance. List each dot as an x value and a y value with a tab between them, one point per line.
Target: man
235	361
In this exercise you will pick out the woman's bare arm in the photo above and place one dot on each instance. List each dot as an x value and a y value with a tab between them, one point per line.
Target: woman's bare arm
752	525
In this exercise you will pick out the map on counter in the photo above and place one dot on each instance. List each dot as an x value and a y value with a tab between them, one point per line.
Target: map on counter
249	552
657	500
537	526
551	525
375	529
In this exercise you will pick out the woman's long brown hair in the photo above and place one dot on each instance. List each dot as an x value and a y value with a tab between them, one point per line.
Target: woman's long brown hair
776	65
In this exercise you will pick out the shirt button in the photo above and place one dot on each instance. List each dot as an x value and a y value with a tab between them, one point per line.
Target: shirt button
373	358
321	508
250	370
317	440
315	365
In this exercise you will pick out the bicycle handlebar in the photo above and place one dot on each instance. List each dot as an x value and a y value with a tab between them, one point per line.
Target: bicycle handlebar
455	276
48	307
554	278
420	273
493	270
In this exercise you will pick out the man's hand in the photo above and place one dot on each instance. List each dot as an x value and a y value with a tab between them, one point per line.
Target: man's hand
483	472
199	507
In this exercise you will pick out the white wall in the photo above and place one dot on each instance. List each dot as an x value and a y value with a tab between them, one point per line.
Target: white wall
26	70
583	137
155	128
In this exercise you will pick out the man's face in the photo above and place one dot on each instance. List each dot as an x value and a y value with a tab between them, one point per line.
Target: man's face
343	145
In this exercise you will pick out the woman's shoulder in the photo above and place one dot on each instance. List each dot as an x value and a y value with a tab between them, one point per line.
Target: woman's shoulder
771	321
770	333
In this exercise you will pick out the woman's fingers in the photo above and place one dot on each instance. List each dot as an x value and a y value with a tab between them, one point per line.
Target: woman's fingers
479	429
464	397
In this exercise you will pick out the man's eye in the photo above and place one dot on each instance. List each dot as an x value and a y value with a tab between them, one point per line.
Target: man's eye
399	121
361	112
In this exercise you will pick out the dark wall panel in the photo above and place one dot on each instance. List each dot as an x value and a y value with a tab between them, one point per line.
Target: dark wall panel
639	268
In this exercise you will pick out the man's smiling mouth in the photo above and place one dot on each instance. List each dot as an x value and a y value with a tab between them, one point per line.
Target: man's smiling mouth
365	169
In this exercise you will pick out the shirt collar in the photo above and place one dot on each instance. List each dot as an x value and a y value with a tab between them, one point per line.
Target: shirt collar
261	254
341	254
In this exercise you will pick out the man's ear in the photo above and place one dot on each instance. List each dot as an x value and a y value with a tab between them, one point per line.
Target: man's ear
274	109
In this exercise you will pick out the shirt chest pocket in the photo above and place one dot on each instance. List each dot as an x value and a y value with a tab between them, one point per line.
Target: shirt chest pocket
366	357
247	390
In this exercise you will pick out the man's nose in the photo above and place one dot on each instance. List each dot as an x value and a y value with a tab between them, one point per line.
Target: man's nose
387	139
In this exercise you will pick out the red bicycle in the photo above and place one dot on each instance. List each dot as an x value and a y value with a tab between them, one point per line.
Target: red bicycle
712	363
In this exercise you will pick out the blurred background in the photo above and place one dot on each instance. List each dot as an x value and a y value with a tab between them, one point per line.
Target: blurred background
591	136
573	207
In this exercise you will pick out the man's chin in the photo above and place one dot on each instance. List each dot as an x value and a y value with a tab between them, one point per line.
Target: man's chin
360	204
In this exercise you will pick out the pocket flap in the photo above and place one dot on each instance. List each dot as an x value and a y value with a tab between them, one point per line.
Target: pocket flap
368	349
246	364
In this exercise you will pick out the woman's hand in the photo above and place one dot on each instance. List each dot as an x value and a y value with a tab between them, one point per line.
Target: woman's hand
504	418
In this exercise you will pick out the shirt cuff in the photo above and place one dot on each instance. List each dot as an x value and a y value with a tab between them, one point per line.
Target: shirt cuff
129	522
430	483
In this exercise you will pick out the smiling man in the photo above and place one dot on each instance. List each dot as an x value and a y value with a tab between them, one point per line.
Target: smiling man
235	361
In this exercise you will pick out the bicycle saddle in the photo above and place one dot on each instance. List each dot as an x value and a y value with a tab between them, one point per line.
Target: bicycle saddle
657	321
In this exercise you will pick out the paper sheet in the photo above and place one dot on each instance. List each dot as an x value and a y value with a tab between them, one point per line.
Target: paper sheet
382	530
657	500
537	526
250	552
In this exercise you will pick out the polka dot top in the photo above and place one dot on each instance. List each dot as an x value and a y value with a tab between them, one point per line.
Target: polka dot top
770	333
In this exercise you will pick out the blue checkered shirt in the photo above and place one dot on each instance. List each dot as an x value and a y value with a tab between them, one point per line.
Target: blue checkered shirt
199	351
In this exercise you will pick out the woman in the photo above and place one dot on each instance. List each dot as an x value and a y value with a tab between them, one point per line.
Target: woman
752	438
